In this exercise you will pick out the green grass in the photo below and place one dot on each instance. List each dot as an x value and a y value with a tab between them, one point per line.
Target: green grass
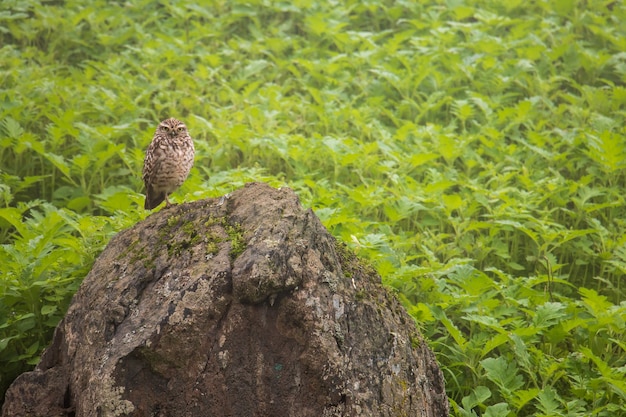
473	151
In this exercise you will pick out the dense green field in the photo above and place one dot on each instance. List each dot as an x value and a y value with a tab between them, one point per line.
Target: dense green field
473	151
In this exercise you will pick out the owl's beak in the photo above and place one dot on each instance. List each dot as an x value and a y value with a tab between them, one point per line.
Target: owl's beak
172	133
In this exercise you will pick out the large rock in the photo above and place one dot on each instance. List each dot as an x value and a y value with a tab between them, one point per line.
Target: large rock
243	306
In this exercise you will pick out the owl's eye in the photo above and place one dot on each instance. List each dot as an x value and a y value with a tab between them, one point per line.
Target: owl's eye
165	128
180	128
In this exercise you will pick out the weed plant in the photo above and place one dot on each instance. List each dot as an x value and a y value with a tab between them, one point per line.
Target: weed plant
473	150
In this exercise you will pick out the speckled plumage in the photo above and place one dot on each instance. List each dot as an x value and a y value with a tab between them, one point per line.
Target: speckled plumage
168	161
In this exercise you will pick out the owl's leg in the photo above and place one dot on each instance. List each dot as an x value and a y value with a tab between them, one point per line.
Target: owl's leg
167	201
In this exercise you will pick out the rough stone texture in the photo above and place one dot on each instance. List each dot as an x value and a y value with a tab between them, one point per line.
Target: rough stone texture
242	306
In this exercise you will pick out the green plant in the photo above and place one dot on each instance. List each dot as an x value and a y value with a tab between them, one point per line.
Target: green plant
51	251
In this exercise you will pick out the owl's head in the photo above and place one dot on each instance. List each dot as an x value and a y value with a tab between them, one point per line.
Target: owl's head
172	127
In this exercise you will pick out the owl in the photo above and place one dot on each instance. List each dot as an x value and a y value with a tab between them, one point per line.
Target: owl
168	161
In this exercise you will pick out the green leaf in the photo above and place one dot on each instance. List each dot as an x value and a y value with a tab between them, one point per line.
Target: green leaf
5	342
549	314
452	202
524	396
503	373
597	304
549	402
14	217
609	150
12	128
48	309
456	334
494	342
521	353
477	397
497	410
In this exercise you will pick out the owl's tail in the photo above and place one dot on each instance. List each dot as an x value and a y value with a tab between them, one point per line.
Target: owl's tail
153	198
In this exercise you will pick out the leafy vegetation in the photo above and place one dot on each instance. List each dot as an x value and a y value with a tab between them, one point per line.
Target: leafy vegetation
473	150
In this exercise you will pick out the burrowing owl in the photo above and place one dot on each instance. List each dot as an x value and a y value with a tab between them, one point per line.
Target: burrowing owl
168	161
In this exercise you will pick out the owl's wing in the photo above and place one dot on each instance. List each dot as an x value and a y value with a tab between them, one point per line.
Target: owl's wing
151	165
152	161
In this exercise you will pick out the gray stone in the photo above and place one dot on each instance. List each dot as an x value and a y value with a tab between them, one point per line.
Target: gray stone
242	306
